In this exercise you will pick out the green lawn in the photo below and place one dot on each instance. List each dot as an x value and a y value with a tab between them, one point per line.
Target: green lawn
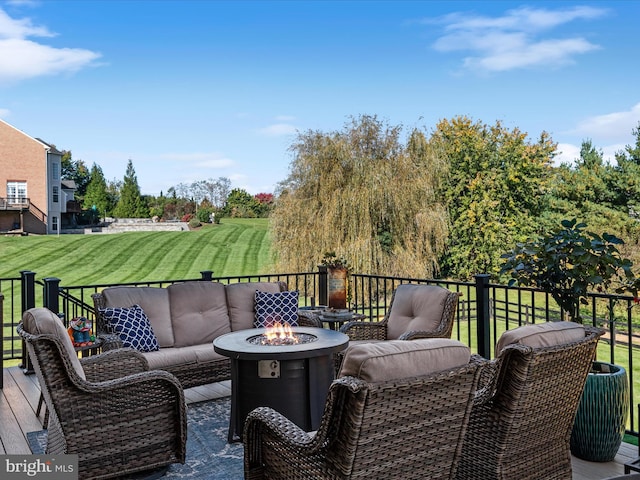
234	247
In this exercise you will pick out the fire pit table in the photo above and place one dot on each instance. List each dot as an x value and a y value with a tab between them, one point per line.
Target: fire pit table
291	376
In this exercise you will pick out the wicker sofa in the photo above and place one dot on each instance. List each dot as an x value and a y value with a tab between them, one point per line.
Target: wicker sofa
186	317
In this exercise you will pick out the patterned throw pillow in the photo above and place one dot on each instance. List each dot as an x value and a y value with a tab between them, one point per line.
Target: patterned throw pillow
276	307
133	327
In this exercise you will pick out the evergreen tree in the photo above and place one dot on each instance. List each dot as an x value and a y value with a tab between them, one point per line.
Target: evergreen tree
130	203
96	197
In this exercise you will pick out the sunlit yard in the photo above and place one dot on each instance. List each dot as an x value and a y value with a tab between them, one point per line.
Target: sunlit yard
235	247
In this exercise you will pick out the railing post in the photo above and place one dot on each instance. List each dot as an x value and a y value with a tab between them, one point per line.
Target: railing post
51	290
483	316
206	275
28	300
28	289
323	288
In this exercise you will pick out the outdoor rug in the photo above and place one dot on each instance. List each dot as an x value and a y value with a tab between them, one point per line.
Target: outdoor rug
209	456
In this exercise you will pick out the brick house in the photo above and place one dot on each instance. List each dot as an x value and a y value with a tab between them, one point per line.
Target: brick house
33	198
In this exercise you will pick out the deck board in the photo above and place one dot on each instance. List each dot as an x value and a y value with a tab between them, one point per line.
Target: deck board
19	400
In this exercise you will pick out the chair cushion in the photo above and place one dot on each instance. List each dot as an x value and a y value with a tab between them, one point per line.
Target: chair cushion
395	359
241	302
280	307
416	307
42	320
539	335
155	303
198	312
132	326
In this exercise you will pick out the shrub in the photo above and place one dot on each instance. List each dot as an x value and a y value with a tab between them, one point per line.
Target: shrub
194	223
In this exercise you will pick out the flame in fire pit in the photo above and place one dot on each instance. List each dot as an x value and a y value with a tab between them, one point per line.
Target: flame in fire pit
281	334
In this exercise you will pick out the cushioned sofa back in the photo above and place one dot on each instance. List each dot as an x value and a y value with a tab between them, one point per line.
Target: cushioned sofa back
198	312
241	301
155	303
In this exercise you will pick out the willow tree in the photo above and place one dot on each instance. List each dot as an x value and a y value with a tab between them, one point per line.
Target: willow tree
365	195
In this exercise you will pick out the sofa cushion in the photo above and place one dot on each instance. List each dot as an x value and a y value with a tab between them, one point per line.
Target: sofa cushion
198	312
280	307
172	357
546	334
395	359
41	320
241	301
155	303
132	326
416	307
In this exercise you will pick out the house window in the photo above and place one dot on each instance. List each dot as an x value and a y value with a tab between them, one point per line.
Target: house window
55	171
55	194
54	224
17	192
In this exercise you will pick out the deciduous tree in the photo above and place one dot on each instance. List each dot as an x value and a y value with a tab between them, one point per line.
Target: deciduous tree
494	191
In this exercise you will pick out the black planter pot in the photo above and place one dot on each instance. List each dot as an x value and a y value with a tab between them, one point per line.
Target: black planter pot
601	418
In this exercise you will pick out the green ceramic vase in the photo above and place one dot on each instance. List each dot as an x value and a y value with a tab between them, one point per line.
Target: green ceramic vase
601	418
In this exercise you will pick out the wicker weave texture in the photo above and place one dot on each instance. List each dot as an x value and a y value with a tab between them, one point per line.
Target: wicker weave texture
521	421
410	429
122	419
378	330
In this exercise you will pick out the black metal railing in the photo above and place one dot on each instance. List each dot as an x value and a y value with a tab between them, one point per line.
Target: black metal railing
485	310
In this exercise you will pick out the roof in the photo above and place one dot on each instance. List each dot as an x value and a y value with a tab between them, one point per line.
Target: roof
68	184
52	148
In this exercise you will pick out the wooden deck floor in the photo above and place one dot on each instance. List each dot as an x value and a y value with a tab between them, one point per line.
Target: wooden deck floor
19	401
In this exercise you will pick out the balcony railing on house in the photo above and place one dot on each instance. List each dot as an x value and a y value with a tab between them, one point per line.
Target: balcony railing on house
485	311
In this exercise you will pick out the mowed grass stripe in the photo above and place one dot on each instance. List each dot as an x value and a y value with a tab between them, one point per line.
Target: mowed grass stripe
140	256
161	250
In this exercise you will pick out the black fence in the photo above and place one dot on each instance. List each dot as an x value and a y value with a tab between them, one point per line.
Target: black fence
485	310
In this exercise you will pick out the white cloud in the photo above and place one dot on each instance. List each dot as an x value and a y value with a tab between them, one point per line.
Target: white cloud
567	153
611	127
12	28
514	40
4	112
278	129
21	58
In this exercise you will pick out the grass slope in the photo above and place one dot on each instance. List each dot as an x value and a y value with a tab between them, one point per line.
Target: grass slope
235	247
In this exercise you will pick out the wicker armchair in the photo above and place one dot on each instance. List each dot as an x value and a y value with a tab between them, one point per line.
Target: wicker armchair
523	413
112	412
372	427
415	311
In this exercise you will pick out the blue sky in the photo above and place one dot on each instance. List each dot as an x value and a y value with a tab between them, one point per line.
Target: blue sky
191	90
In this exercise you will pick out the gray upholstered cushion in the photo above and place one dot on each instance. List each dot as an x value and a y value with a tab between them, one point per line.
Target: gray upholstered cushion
241	302
42	320
416	307
173	357
155	303
546	334
394	359
198	312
